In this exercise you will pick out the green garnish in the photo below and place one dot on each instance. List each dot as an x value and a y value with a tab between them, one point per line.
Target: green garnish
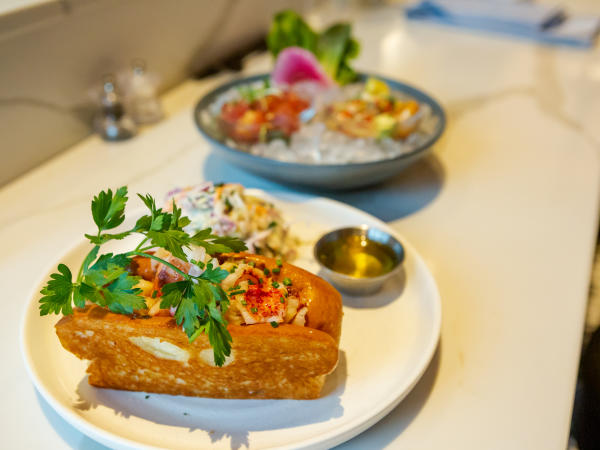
250	283
276	270
282	300
273	224
154	294
275	284
260	281
252	264
199	301
243	302
287	281
279	263
239	291
274	324
254	310
334	47
228	205
266	271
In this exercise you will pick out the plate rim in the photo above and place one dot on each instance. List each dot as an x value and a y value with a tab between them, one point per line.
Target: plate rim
324	440
404	87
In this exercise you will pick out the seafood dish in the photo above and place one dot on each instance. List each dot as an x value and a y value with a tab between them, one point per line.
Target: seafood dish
313	108
192	313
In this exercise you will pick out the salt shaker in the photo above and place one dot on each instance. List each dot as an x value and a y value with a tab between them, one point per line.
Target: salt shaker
111	122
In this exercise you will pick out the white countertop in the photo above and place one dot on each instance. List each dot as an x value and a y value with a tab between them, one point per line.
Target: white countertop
504	212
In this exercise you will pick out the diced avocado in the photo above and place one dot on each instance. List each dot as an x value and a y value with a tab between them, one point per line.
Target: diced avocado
376	88
384	122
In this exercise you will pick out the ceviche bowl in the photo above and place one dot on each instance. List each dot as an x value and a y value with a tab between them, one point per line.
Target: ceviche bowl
338	170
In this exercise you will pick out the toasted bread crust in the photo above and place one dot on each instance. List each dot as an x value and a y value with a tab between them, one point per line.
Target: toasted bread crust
154	354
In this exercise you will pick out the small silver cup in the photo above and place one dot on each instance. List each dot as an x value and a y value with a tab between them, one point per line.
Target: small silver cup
359	285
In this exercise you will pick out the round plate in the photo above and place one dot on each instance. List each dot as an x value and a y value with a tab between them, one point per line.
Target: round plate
330	176
387	342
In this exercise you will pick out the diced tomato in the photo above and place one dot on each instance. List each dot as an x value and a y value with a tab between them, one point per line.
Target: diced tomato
245	128
285	118
231	112
247	123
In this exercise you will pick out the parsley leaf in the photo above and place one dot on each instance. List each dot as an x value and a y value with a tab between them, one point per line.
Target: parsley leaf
57	293
181	295
219	339
178	222
122	297
171	240
108	211
214	274
217	244
105	237
173	293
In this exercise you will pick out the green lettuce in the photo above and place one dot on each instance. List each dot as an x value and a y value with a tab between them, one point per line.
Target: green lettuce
334	47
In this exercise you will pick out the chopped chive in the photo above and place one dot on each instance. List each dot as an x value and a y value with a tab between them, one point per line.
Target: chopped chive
185	414
254	310
243	302
154	294
274	324
279	263
267	272
252	264
287	281
282	300
240	291
147	397
233	269
276	270
272	224
275	284
250	283
260	281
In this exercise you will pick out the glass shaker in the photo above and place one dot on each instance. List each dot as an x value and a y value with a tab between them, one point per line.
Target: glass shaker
141	94
111	122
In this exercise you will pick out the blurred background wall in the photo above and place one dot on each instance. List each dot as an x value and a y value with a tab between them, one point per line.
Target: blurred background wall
53	51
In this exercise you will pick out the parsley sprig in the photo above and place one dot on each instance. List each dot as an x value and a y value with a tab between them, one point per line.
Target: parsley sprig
199	301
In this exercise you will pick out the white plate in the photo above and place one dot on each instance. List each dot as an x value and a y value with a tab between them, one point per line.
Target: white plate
387	343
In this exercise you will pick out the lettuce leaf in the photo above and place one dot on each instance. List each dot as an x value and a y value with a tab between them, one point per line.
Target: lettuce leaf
290	30
334	47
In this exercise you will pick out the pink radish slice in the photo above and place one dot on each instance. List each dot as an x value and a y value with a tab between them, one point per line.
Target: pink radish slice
295	64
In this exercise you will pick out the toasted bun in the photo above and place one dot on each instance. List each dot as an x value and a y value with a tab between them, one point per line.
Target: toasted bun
154	354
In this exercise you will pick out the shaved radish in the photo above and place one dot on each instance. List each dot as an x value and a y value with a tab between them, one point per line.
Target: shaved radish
295	64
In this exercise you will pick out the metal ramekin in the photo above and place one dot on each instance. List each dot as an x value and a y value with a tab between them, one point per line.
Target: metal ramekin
360	285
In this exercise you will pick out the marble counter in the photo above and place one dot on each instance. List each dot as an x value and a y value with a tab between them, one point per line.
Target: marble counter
504	211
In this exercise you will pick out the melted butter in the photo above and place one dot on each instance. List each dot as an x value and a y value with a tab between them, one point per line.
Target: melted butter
358	256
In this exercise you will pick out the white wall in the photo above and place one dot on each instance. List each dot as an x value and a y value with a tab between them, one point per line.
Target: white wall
52	53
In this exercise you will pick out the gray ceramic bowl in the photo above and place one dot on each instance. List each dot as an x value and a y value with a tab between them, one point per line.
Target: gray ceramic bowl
334	176
355	285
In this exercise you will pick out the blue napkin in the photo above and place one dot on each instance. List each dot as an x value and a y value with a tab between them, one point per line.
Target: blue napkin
541	22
